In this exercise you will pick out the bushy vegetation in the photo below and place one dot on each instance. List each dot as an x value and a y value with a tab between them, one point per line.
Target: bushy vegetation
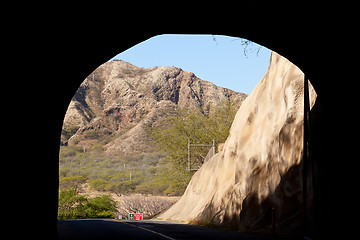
196	125
69	131
162	173
73	205
146	174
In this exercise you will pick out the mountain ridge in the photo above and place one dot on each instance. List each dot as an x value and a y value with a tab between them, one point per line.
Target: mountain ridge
116	102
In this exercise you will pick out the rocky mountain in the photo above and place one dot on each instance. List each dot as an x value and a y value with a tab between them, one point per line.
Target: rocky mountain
116	103
259	168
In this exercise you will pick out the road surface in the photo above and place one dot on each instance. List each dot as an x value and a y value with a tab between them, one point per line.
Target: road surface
145	229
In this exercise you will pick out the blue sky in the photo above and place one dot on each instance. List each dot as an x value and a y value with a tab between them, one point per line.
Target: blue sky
218	59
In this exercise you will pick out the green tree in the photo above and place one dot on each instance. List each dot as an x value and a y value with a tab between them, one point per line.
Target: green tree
71	182
123	187
99	207
172	135
73	206
177	181
69	131
98	184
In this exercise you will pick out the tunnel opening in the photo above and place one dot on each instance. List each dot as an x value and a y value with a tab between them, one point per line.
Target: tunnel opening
117	115
100	112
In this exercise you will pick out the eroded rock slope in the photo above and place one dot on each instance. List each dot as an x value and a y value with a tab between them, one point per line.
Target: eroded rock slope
116	102
259	166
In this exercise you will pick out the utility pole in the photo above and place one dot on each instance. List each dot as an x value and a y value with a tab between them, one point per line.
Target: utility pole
211	150
213	147
189	154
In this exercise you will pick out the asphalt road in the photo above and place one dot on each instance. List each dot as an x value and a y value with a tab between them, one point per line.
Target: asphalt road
145	229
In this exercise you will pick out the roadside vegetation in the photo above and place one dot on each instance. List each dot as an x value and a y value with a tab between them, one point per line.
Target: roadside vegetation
144	174
73	206
196	126
161	173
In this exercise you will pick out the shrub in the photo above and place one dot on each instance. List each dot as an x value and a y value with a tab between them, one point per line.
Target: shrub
91	134
73	205
100	207
69	131
70	205
123	187
181	125
71	182
97	147
155	187
98	184
70	151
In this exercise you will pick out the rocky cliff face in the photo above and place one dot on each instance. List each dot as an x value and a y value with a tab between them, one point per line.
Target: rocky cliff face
116	103
259	166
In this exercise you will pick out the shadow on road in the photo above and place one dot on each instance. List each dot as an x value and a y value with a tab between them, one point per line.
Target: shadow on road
147	229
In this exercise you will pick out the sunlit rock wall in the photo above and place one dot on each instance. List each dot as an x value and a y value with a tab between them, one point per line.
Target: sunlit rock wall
259	166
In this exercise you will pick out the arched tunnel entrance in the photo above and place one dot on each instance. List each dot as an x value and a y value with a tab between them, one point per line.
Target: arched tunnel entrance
319	131
121	110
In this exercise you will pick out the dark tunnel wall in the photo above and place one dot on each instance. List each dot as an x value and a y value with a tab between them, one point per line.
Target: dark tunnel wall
75	60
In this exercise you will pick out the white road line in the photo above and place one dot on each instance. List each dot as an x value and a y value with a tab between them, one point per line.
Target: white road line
145	229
